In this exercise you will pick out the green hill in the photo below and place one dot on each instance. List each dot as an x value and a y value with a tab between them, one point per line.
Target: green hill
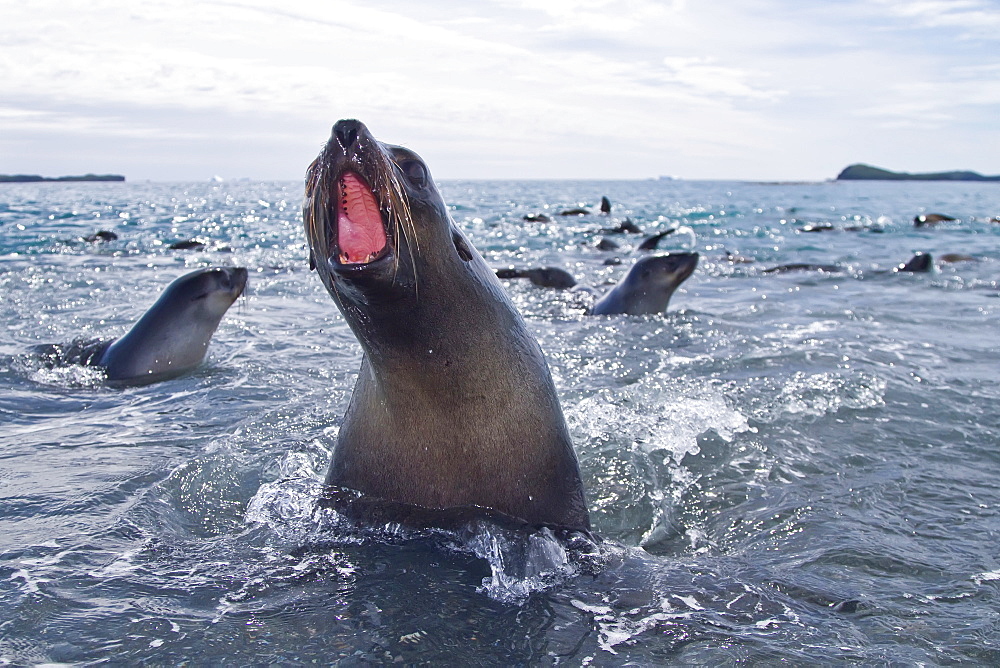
34	178
861	172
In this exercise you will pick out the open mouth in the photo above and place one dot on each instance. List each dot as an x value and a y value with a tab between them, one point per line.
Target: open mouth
360	237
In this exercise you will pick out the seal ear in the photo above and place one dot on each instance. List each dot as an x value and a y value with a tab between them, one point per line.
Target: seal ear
312	261
463	250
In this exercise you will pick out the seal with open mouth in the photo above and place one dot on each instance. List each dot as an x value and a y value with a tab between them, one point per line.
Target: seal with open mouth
454	406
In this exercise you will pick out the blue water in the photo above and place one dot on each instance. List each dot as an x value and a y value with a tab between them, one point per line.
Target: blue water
795	468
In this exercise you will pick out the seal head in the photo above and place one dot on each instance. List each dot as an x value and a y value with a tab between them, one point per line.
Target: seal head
454	406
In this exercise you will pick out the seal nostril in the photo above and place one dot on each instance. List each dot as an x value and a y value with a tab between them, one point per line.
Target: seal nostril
346	133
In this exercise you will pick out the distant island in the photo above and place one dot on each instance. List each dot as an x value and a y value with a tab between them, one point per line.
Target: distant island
861	172
35	178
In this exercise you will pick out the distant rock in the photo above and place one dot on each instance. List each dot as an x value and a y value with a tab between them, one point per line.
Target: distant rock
35	178
861	172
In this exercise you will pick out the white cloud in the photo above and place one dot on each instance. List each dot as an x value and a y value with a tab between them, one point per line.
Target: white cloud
976	19
752	88
705	76
55	122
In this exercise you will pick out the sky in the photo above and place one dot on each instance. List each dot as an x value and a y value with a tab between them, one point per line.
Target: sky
791	90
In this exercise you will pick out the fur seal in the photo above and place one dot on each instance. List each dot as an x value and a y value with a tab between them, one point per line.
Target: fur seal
957	257
918	264
817	227
543	277
648	285
170	338
624	227
188	244
454	409
786	268
100	235
931	219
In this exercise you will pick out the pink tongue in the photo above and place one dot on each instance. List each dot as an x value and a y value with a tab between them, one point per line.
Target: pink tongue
360	234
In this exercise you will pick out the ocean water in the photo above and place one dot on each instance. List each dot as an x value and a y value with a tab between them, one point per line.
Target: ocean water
799	467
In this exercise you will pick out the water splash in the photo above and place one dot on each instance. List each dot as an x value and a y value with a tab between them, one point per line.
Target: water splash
521	562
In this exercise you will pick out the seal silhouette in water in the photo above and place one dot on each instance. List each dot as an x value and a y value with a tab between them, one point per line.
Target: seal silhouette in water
170	338
543	277
648	285
931	219
454	407
803	266
918	264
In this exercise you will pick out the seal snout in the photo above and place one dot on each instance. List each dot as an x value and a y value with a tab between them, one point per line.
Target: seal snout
680	265
229	280
346	132
236	280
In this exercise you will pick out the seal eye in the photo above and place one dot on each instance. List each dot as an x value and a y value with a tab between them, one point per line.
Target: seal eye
416	172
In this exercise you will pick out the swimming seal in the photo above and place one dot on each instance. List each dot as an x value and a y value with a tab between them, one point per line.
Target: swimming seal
624	227
817	227
931	219
799	266
100	235
188	244
454	407
170	338
648	285
918	264
543	277
957	257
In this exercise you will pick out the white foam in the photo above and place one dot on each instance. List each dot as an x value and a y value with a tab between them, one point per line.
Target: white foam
988	576
816	394
656	417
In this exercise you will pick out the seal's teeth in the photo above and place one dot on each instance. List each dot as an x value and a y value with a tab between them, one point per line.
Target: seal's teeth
343	257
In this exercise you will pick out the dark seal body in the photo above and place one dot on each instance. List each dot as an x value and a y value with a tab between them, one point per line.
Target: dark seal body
454	406
543	277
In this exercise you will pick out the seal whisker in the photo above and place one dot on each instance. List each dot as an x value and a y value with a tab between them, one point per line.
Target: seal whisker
403	221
